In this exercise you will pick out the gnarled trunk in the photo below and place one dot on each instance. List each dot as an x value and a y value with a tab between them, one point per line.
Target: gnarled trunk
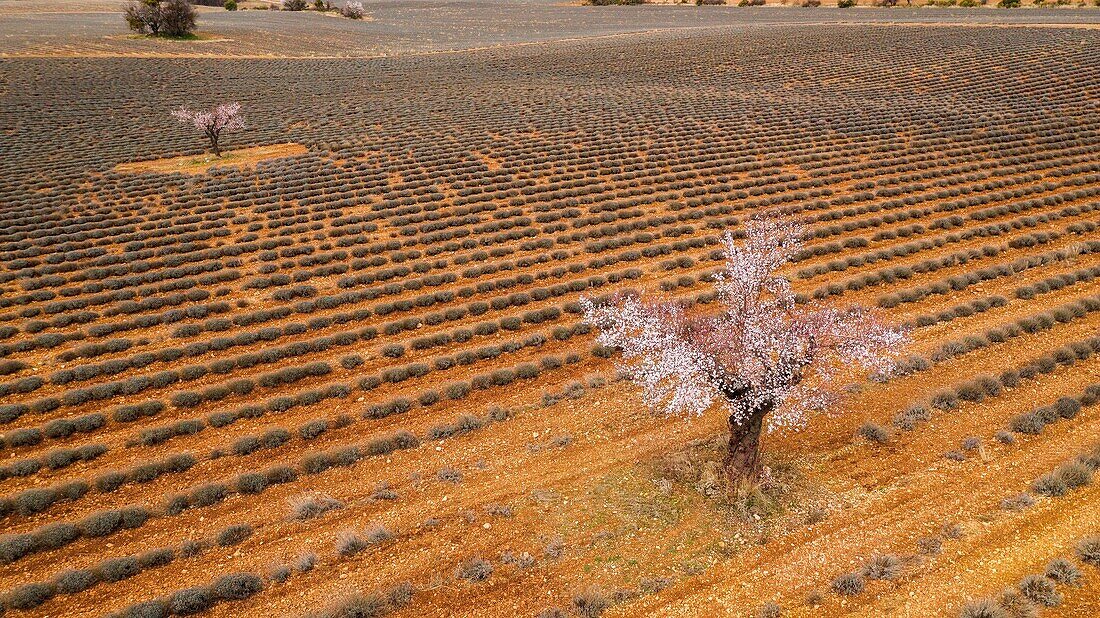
742	463
213	136
743	451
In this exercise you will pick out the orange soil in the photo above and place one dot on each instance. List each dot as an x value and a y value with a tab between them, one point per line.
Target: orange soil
190	164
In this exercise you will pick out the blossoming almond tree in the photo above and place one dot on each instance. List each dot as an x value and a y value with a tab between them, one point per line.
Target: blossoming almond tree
764	358
224	118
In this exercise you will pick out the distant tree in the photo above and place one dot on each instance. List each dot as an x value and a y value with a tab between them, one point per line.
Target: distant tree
172	17
224	118
178	17
763	356
144	16
352	10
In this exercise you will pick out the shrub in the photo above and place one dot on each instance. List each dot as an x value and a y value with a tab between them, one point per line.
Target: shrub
1088	550
1063	571
401	594
312	429
845	4
457	390
157	608
1016	604
143	17
305	562
772	609
190	548
186	399
554	549
911	417
294	5
118	569
251	483
280	474
970	391
34	501
377	534
449	475
208	494
1074	474
590	603
1028	423
101	523
982	608
15	546
236	586
23	437
156	557
279	574
191	601
29	596
883	566
175	504
848	584
355	606
73	581
1049	485
945	400
315	505
349	543
1017	503
874	433
315	463
1067	407
234	534
54	535
383	492
230	5
1041	590
474	569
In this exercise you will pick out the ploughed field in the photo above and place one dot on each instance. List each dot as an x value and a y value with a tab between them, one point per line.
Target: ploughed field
364	365
94	28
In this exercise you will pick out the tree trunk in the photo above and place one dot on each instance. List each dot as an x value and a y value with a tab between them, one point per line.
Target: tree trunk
214	145
742	464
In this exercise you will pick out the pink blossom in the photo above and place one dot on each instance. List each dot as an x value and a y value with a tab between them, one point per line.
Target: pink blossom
224	118
761	351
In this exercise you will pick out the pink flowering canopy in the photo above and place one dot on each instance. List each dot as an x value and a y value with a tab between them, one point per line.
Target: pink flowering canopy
762	350
223	118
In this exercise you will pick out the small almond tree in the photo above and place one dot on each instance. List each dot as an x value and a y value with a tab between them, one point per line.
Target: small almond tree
765	358
352	10
224	118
